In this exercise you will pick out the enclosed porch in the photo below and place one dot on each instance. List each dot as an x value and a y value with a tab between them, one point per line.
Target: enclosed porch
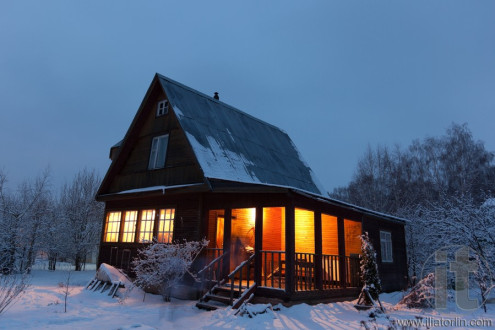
286	252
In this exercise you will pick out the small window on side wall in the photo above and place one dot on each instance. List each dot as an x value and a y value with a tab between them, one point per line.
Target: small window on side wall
158	152
386	246
162	108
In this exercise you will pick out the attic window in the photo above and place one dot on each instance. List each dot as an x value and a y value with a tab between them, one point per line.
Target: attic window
162	108
158	152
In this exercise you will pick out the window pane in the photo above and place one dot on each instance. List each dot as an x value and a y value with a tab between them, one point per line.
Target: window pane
329	235
305	231
112	227
352	231
386	246
162	151
129	226
154	145
166	226
146	227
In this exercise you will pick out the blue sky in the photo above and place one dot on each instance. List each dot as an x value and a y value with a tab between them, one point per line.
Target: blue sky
335	75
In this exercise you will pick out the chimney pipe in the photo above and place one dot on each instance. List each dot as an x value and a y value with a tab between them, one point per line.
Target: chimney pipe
216	97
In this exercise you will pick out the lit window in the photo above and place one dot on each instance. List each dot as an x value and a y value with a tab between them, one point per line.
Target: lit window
166	226
112	227
129	226
158	152
146	228
162	108
386	246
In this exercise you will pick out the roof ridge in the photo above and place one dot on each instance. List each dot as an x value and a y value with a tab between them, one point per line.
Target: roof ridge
210	98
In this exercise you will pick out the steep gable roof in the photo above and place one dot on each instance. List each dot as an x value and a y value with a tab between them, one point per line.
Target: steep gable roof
232	145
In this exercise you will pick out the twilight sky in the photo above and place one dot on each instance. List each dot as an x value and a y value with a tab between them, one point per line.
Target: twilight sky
335	75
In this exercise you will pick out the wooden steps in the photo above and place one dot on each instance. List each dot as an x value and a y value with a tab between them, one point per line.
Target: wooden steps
232	291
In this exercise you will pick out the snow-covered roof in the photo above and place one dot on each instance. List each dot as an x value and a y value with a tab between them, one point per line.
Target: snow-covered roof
232	145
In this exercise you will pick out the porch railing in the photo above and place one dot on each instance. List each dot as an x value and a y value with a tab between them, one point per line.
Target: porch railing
273	269
331	272
213	253
353	271
212	273
304	273
238	275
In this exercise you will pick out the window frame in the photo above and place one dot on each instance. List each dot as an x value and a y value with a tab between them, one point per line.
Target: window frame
162	108
148	232
129	225
386	247
157	148
112	223
160	234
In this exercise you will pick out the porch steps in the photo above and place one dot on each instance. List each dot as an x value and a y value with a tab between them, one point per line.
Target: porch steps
218	297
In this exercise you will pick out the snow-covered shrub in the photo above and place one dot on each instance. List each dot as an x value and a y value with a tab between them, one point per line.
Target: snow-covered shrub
369	268
422	295
161	266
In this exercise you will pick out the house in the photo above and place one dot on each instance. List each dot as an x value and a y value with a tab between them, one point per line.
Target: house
191	166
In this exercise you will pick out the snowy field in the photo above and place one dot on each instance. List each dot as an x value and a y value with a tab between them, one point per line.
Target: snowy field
42	307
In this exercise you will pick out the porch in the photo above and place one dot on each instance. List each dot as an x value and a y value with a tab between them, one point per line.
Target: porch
282	252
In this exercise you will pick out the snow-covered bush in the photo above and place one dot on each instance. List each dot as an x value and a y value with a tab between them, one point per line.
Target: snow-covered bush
161	266
369	268
422	295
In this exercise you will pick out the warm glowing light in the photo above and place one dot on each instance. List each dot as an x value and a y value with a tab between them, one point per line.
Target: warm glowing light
166	225
112	227
129	233
252	216
305	231
146	230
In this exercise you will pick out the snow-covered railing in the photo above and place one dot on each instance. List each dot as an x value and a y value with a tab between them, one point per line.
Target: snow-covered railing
244	267
212	273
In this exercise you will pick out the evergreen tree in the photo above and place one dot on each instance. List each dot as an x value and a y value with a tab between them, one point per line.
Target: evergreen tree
369	268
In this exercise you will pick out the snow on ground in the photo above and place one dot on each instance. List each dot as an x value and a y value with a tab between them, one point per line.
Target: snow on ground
42	307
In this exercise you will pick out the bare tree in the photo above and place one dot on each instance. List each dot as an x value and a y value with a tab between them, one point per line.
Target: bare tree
81	216
11	288
22	216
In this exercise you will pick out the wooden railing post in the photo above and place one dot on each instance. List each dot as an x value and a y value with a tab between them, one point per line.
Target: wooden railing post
342	261
227	241
289	248
318	252
258	244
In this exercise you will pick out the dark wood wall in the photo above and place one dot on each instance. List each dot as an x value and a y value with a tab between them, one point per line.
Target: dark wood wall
393	274
187	224
181	166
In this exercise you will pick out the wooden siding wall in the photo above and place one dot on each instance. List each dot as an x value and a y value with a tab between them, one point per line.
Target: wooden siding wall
393	274
305	231
181	166
274	229
329	234
352	231
212	229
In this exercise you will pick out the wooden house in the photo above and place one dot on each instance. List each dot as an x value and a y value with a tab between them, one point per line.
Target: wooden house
191	166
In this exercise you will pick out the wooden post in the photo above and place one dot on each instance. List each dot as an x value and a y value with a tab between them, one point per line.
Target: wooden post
318	252
227	231
290	236
342	264
258	245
